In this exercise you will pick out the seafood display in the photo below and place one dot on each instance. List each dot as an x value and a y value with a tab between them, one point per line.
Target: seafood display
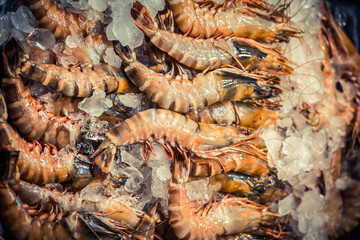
230	119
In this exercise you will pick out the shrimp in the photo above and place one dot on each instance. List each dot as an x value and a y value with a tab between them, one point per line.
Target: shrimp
238	161
37	163
210	54
238	113
59	21
29	118
246	22
229	216
33	195
171	130
18	222
183	95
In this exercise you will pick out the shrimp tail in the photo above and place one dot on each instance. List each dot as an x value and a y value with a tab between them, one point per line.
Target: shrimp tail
126	54
11	55
104	157
143	19
8	165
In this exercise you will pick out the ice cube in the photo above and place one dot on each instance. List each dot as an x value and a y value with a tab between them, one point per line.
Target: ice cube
111	58
41	38
163	173
74	40
23	19
286	205
99	5
96	104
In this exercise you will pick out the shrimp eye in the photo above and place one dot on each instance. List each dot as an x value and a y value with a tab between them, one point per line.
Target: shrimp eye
279	67
260	187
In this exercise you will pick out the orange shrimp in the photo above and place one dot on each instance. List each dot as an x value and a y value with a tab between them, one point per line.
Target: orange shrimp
171	130
59	21
246	22
183	95
229	216
237	113
238	161
210	54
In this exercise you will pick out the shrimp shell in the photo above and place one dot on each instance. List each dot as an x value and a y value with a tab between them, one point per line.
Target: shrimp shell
209	54
60	22
164	125
73	82
183	95
229	216
245	22
237	113
239	162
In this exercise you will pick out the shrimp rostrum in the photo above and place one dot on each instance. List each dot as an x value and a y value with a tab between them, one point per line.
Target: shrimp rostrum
183	95
172	130
200	54
229	216
198	20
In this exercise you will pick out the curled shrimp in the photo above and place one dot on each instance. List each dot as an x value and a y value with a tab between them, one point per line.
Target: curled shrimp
209	54
59	21
242	21
241	162
238	113
183	95
171	130
229	216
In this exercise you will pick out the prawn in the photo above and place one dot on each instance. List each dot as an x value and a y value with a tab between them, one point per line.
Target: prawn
183	95
72	225
113	207
238	113
240	21
241	162
210	54
28	116
171	130
59	21
229	216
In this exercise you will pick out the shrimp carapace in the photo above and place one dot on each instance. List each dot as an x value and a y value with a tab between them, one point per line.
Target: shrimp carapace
210	54
241	162
183	95
237	113
240	21
172	130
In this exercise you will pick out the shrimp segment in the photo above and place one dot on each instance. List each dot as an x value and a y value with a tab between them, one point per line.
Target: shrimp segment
237	113
229	216
241	21
164	125
73	82
209	54
60	22
239	162
183	95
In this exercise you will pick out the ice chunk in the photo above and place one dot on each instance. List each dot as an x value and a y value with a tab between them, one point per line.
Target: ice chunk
111	58
41	38
68	61
99	5
93	192
74	40
163	173
135	178
96	104
2	2
286	205
200	190
130	159
129	100
94	129
5	26
23	19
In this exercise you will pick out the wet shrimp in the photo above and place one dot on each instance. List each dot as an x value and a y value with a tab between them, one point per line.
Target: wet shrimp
59	21
29	116
210	54
235	113
241	162
243	21
229	216
171	130
183	95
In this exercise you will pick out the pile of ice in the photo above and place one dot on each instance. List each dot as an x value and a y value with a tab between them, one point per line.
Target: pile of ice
303	153
96	104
